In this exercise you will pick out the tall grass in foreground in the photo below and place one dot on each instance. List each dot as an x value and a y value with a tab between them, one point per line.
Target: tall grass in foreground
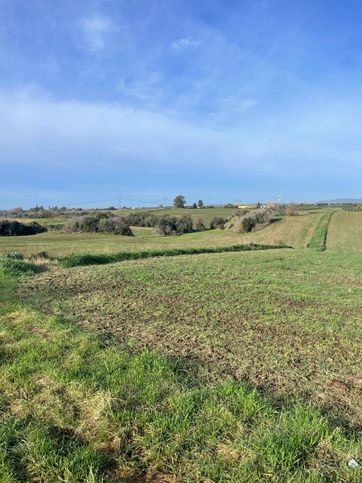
75	260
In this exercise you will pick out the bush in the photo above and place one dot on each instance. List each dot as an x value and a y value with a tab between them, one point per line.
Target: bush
142	219
249	221
217	222
15	228
118	225
171	225
200	225
184	224
167	225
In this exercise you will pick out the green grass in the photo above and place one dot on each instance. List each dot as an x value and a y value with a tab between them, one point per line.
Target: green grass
77	260
222	366
14	265
294	231
345	231
319	238
79	407
286	321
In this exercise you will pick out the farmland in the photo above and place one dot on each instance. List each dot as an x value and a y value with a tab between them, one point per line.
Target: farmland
345	231
212	367
294	231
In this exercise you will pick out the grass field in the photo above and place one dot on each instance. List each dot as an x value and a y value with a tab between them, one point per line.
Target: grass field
294	231
225	310
212	367
345	231
145	370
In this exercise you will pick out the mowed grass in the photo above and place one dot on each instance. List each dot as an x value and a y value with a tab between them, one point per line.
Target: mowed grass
284	321
77	406
294	231
345	231
319	238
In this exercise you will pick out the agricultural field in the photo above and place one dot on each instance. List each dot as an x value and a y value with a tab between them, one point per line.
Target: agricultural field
295	231
240	366
345	231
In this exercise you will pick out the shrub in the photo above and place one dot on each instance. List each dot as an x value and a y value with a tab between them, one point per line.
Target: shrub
200	225
167	225
217	222
184	224
118	225
142	219
15	228
246	223
171	225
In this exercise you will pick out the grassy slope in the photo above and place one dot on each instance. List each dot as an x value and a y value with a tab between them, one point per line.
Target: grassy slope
345	231
292	230
295	231
79	408
319	238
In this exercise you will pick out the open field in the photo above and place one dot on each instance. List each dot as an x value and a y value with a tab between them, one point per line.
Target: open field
345	231
79	407
285	323
212	367
295	231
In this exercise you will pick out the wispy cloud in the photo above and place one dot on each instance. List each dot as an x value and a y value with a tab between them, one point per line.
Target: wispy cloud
247	104
95	29
98	142
184	43
32	126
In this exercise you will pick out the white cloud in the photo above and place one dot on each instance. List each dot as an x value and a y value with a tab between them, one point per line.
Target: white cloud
95	29
184	43
247	104
38	131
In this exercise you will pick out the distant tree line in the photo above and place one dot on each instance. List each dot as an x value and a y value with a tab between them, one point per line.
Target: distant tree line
121	225
15	228
352	206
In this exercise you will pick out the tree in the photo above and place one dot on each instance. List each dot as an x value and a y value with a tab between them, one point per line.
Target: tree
194	205
200	204
179	202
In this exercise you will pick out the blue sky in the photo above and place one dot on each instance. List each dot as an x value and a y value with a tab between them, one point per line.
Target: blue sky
219	100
